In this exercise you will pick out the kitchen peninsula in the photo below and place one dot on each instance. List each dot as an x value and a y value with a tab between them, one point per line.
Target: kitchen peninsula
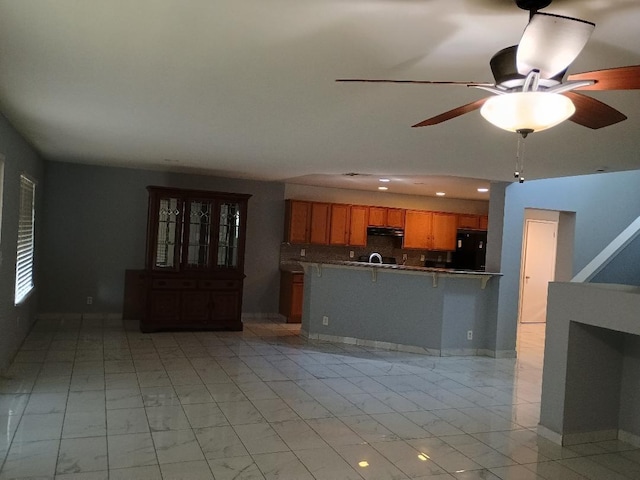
415	309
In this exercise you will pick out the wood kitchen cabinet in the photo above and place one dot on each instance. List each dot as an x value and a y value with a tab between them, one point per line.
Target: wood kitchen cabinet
291	295
395	217
430	230
386	217
417	229
377	217
358	221
195	259
473	222
339	224
468	221
297	221
444	229
319	229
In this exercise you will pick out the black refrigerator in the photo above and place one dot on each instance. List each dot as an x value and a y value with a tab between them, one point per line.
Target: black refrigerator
471	249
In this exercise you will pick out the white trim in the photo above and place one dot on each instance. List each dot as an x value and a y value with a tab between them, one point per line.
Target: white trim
569	439
629	437
549	434
608	253
589	437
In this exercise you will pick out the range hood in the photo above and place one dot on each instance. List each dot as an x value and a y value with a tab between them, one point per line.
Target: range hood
386	231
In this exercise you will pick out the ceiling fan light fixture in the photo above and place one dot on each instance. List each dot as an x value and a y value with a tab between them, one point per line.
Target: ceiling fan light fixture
527	111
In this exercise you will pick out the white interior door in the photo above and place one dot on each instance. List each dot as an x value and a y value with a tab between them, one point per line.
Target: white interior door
538	269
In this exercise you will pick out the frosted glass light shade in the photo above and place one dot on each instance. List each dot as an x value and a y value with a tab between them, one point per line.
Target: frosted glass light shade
535	111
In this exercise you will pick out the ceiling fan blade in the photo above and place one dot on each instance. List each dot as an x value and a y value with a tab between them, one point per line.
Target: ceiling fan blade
456	112
621	78
551	42
593	113
427	82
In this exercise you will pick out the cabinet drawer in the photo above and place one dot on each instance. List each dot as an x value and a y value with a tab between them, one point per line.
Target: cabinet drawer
173	283
219	284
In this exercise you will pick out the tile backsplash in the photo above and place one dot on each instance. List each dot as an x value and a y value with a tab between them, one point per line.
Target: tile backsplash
385	246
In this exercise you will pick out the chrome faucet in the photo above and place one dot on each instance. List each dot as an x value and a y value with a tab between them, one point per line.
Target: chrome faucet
375	255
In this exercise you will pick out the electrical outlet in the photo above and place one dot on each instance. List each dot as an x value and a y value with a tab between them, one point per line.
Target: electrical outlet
352	254
469	334
303	252
89	300
325	320
422	258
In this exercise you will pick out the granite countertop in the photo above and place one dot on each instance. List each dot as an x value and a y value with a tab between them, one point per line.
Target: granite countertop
450	271
291	266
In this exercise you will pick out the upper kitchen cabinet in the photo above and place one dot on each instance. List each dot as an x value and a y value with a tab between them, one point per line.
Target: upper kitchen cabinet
468	221
444	231
386	217
195	259
339	224
430	230
297	221
472	222
377	217
395	217
358	221
320	216
417	229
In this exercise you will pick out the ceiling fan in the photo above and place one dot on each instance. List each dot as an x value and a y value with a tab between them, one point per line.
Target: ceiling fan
529	91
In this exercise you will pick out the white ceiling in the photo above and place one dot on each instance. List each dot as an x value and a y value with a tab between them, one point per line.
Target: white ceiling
246	88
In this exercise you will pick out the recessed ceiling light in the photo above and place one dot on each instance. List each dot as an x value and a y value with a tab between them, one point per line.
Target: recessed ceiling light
383	188
385	180
440	194
483	190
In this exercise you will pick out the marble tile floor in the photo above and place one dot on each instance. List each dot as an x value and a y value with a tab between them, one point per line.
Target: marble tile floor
97	399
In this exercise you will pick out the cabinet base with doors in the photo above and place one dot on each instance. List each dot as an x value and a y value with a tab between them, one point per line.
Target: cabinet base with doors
195	260
291	295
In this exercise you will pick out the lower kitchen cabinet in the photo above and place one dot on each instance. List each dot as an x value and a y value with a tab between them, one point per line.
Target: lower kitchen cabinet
291	295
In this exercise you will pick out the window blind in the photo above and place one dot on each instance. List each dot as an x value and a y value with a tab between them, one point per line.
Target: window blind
24	261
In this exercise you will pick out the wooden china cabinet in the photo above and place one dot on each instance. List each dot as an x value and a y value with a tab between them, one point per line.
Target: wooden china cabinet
195	259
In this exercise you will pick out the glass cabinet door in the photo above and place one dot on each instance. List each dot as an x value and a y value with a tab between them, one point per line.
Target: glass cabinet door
228	235
198	234
168	236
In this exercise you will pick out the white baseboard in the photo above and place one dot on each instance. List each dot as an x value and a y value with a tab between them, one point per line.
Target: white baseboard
569	439
589	437
549	434
497	353
629	437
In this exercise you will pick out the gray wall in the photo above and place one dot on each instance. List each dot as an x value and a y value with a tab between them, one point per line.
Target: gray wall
605	204
400	307
624	268
19	158
630	393
95	226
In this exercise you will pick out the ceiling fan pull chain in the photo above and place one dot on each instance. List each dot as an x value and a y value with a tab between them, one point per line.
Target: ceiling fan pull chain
520	151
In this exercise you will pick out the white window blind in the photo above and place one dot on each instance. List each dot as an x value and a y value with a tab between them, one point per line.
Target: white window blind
24	262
